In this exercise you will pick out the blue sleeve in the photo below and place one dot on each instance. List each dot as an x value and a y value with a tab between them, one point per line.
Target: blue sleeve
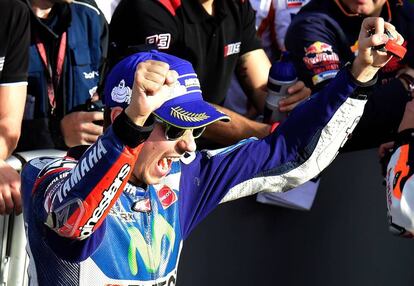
299	150
67	200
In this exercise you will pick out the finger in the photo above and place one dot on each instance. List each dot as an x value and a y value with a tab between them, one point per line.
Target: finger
291	99
379	25
296	98
299	85
372	24
150	76
90	116
391	28
156	70
95	97
151	86
8	202
17	199
372	32
288	107
377	40
90	139
91	128
156	77
2	205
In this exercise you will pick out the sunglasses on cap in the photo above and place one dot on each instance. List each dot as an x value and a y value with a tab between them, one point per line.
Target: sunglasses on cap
173	133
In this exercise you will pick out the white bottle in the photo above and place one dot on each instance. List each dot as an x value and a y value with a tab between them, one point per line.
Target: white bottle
282	75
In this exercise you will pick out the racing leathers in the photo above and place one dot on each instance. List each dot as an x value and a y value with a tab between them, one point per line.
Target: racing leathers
86	225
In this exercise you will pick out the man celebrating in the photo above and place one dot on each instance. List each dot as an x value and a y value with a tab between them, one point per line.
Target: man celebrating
219	39
119	214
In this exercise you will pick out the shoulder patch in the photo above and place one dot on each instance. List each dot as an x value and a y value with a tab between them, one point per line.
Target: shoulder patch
56	165
40	162
321	59
171	5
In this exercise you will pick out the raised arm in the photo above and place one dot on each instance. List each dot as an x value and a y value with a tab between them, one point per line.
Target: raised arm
301	147
72	198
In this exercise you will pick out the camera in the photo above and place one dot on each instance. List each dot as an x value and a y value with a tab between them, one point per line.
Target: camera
91	106
94	105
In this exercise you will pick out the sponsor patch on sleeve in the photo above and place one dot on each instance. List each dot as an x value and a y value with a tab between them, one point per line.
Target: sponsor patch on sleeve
318	78
322	61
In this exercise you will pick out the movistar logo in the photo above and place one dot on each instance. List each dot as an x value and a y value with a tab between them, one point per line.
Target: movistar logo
150	254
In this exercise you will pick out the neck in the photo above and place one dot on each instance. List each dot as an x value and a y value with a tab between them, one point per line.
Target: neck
42	8
208	6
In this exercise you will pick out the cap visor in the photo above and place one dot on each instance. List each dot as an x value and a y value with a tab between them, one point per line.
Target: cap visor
191	114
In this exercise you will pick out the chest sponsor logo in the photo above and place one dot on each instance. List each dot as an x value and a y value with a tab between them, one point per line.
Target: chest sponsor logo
151	249
107	197
232	49
1	63
320	57
143	206
161	40
166	196
90	75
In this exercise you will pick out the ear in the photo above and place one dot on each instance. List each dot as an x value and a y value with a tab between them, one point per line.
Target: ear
115	111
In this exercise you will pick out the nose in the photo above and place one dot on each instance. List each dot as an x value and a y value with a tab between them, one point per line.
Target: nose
187	143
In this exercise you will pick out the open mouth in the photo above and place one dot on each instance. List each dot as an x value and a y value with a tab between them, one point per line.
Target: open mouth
164	165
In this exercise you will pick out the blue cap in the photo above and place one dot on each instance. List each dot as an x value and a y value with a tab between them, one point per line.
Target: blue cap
186	108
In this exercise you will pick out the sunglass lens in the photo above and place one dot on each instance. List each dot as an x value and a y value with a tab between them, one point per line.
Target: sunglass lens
198	131
174	133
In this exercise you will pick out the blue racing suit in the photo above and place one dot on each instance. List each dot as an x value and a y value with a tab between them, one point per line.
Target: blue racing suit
86	225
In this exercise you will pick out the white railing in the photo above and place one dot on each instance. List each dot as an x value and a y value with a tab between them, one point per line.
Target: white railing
14	261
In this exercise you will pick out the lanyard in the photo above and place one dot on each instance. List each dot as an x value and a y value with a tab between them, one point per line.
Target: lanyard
53	77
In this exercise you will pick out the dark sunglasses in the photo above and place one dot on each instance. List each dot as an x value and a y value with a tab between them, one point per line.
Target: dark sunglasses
173	133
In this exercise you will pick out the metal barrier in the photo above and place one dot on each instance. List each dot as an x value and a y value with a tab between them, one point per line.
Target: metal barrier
14	261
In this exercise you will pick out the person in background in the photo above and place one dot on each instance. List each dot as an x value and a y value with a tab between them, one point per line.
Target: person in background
117	212
14	59
272	20
218	38
323	37
107	7
67	52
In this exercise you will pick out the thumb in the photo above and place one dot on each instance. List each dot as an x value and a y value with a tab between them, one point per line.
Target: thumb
379	39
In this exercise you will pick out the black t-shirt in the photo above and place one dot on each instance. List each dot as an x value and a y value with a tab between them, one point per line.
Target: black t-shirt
14	41
212	44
